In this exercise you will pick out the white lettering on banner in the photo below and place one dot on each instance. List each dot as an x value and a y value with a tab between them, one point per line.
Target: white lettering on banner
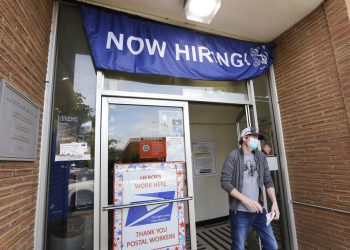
245	59
185	52
111	37
151	47
204	52
221	60
212	53
239	61
194	53
178	51
141	45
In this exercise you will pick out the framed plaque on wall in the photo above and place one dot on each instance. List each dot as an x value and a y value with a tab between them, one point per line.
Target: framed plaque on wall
19	125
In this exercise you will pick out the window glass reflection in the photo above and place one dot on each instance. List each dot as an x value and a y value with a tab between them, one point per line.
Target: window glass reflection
71	181
261	86
146	158
269	145
266	126
194	89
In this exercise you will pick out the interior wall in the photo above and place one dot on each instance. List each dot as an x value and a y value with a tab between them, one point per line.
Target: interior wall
215	123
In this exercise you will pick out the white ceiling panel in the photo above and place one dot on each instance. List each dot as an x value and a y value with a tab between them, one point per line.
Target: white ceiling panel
254	20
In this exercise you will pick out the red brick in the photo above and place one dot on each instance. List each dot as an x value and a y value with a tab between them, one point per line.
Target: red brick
24	39
312	76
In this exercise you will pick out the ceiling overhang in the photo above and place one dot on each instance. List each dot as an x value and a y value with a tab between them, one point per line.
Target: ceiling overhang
258	20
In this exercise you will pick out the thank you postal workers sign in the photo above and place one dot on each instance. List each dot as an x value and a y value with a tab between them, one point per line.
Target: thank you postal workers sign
159	226
136	45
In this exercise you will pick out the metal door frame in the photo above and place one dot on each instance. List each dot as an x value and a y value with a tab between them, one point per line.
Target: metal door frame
103	206
102	94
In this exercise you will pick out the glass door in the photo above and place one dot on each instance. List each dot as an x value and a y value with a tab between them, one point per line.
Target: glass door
243	120
146	175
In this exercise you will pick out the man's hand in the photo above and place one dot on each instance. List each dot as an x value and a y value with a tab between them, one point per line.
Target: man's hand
274	209
253	206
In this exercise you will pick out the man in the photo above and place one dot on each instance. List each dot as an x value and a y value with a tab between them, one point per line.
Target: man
244	173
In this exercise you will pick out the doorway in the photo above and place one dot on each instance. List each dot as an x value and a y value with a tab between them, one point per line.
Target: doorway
146	192
215	130
160	161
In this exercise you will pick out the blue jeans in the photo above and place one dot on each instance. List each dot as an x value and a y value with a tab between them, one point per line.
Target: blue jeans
242	222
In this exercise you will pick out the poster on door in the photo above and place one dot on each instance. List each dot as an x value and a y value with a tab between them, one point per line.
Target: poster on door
157	226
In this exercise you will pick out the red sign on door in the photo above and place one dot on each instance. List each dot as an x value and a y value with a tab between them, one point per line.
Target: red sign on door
152	148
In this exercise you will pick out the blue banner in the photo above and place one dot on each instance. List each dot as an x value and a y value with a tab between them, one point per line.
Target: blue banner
136	45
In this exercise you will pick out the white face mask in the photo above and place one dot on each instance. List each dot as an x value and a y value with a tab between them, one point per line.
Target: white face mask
253	143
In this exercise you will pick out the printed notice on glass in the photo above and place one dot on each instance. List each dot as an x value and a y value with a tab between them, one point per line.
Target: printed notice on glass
154	226
18	126
72	139
170	123
175	148
204	160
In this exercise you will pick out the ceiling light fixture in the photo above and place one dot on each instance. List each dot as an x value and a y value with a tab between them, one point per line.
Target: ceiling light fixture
202	10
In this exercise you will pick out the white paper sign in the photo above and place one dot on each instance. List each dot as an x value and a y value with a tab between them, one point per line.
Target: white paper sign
175	148
170	123
204	159
158	226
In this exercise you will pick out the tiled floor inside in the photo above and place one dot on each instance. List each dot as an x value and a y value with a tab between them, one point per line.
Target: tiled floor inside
217	236
214	236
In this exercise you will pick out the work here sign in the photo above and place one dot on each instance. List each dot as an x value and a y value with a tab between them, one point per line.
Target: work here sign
157	226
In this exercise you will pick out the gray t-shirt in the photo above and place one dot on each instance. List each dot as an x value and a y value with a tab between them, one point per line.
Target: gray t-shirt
250	187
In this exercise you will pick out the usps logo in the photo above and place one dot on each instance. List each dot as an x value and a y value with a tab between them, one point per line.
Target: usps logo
146	148
149	214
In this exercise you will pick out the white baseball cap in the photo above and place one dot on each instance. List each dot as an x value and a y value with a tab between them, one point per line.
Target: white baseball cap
252	131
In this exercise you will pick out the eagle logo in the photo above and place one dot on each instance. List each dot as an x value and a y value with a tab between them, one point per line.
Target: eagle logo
260	58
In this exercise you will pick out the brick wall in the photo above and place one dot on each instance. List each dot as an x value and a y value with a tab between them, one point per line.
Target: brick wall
24	38
313	82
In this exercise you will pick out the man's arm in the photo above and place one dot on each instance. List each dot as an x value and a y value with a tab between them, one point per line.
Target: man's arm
227	174
253	206
274	208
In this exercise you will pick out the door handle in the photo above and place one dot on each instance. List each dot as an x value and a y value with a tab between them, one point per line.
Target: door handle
145	203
